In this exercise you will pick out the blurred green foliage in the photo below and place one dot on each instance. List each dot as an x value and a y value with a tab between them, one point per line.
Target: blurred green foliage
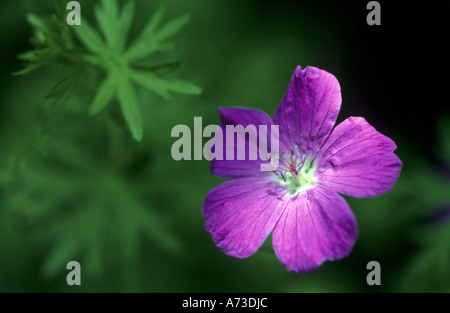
53	44
78	187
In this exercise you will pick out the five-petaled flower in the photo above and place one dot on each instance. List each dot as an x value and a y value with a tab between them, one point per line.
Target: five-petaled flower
300	201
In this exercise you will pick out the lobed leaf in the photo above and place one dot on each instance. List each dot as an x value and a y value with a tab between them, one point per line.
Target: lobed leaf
163	86
125	23
173	27
130	108
38	22
61	87
152	82
107	16
147	42
90	38
104	94
181	86
159	68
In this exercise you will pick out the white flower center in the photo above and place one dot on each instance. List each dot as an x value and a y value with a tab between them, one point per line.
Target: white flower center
296	171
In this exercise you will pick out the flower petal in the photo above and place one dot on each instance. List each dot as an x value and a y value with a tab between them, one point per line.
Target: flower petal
240	214
358	161
247	167
317	226
309	108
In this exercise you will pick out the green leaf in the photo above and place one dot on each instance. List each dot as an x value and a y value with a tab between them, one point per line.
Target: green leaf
130	108
102	50
62	252
28	68
173	27
90	38
111	9
181	86
159	68
152	82
146	41
107	18
104	94
125	24
34	59
162	86
27	56
151	26
62	86
37	22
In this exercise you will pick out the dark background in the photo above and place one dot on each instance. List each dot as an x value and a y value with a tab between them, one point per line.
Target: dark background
57	206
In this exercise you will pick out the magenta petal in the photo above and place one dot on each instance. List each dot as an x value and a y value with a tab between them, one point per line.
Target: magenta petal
309	108
318	226
240	214
241	168
244	116
357	160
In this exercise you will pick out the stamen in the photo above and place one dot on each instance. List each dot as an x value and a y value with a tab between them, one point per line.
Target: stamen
292	167
286	159
283	175
297	149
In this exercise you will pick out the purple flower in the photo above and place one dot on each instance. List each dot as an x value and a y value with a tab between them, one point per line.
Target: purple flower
300	201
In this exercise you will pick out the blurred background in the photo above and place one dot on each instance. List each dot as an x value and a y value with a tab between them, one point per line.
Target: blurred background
77	187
